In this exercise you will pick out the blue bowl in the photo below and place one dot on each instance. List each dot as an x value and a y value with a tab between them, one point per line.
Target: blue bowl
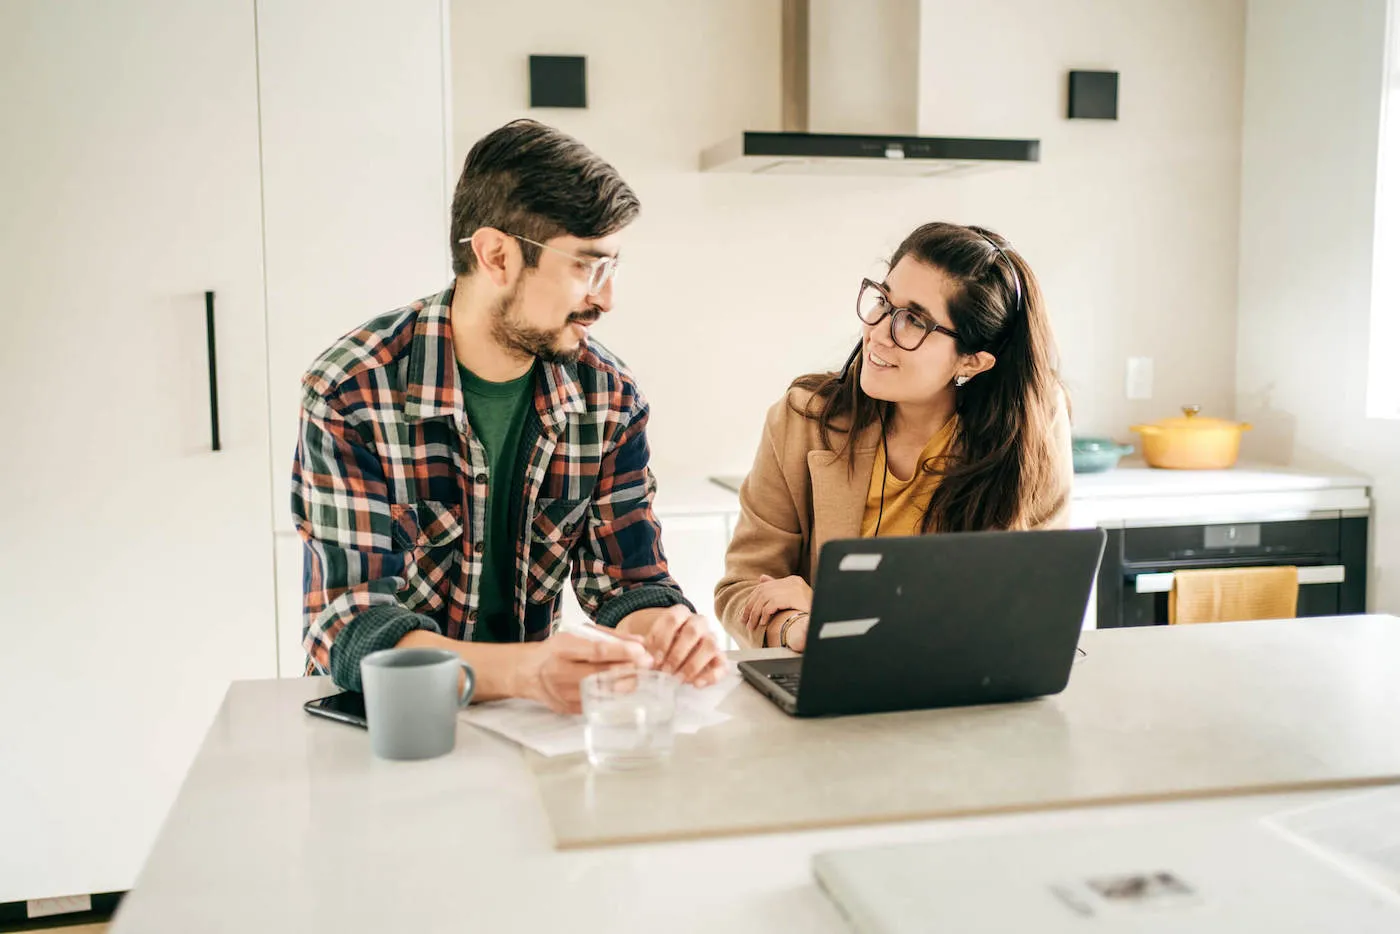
1095	455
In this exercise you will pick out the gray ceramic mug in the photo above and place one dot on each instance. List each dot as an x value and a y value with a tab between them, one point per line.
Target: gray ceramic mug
411	701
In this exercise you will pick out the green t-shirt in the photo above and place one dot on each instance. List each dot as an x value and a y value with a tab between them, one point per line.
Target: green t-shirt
497	413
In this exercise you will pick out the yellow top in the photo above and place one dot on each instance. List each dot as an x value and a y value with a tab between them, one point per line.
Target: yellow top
905	501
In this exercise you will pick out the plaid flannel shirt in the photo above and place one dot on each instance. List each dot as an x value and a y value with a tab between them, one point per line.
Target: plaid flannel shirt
390	487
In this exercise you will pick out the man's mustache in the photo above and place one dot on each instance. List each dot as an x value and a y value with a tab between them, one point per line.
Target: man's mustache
587	316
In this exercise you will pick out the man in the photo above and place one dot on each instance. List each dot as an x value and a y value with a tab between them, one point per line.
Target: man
461	456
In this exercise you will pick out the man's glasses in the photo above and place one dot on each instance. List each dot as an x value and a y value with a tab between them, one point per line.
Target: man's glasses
908	328
600	269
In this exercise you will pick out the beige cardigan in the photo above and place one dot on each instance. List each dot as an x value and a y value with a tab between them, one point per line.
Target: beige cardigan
799	496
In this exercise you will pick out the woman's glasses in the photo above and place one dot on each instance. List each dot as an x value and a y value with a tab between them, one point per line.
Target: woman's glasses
908	328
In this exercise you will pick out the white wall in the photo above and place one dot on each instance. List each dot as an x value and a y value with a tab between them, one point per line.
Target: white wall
1311	120
1131	225
732	285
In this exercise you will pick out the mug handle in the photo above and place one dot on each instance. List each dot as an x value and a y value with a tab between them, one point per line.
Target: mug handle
468	684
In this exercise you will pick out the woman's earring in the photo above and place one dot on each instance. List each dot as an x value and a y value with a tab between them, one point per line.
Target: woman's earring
961	381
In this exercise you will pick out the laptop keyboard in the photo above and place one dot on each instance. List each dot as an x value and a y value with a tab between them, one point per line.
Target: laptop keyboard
787	681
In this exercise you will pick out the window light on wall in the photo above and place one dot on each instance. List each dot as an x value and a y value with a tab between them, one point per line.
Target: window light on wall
1383	397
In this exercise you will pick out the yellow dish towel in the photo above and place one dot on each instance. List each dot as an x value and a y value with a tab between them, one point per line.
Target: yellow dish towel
1220	596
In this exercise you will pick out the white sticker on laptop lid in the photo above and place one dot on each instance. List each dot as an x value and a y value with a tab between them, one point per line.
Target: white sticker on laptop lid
844	628
860	562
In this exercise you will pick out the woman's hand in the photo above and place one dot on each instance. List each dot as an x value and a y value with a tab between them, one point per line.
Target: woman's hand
773	596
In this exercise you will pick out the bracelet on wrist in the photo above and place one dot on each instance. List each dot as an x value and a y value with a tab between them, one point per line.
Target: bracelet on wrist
787	623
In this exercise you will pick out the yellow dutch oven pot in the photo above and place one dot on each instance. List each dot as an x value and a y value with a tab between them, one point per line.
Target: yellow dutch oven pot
1191	442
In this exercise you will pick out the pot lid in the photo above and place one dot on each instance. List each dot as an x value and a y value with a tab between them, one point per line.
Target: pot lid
1191	419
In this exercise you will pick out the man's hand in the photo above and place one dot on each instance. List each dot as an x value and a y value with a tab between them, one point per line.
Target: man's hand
773	596
680	642
552	669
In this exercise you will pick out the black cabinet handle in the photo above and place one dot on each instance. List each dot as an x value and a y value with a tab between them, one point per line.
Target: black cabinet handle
213	371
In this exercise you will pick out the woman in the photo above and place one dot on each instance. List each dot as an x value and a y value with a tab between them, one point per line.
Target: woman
947	417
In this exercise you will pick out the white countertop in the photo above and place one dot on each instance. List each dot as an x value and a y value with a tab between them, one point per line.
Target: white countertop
1133	493
1129	727
286	823
1135	478
1130	492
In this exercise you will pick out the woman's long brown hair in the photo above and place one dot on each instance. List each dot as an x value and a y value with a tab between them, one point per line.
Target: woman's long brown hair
1000	469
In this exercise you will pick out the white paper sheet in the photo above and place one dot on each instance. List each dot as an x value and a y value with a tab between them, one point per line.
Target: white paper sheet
1359	831
535	726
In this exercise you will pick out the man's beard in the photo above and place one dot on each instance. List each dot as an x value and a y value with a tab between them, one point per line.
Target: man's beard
514	334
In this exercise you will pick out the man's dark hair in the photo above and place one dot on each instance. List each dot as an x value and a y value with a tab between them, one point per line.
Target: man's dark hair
530	180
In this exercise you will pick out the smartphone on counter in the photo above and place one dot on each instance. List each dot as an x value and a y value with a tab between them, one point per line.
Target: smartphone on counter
347	707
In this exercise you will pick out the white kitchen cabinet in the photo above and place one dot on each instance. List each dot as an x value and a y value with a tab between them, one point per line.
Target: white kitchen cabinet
291	157
291	657
357	190
355	180
135	560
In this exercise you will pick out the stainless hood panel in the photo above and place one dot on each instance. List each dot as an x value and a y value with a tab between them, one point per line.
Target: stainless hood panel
851	154
858	100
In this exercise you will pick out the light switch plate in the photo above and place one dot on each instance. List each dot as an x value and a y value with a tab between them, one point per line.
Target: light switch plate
1139	381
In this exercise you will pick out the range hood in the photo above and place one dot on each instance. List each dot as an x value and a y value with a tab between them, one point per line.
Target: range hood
853	69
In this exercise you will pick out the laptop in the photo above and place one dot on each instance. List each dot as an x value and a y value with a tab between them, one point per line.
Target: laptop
1230	874
938	621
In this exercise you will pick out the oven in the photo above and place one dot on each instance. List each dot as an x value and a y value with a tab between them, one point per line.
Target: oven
1328	548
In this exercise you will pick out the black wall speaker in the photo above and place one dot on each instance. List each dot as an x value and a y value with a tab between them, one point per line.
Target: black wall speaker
558	81
1093	95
